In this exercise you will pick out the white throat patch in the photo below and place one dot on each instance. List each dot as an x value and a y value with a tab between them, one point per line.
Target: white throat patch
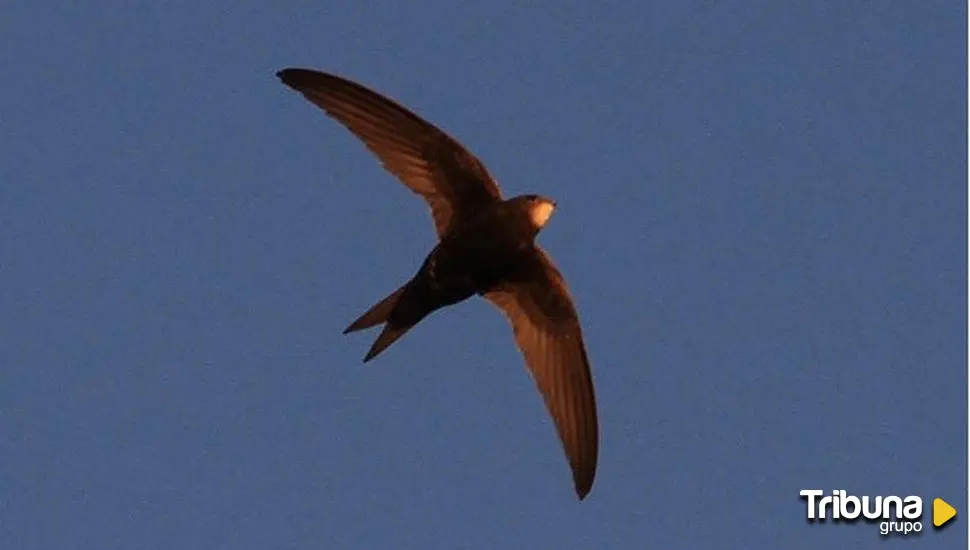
541	213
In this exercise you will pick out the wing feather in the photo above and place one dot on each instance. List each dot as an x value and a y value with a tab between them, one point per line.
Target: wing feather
454	183
537	303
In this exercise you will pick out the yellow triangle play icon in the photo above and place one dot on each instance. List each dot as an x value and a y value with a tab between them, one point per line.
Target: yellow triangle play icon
942	512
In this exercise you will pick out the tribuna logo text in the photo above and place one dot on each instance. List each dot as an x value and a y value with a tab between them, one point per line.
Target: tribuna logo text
840	506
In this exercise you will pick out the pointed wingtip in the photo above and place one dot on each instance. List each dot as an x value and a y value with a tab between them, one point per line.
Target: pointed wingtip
299	79
288	76
583	486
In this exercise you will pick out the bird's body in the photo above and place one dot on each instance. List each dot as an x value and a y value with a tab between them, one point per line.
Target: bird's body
486	247
472	259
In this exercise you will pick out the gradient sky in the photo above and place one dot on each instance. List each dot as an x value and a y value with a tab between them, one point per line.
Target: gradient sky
762	218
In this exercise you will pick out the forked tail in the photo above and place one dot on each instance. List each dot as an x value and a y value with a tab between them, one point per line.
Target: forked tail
399	315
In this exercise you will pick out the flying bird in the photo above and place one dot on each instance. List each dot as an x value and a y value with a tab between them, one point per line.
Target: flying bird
486	246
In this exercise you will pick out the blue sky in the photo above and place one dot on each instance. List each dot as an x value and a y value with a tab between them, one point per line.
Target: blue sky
762	218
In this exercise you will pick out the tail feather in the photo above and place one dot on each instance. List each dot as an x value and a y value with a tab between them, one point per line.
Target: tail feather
399	314
388	336
377	314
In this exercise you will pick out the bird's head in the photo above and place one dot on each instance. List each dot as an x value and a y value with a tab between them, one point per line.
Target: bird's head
540	209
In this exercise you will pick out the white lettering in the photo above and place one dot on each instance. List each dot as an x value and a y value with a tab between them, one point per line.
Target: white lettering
810	495
844	507
913	508
887	506
874	512
825	501
850	507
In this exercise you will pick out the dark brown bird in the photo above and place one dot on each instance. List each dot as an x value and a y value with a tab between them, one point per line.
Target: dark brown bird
486	246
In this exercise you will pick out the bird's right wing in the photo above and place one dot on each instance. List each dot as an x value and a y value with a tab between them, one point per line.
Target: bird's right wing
544	320
455	184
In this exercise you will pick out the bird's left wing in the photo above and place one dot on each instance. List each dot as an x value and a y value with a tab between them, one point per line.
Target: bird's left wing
546	326
455	184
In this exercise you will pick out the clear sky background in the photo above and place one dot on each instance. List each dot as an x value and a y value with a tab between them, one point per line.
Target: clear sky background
762	217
